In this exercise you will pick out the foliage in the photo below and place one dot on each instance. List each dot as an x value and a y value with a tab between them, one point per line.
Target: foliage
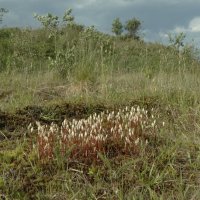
77	73
48	21
133	26
52	21
165	167
177	40
2	12
117	27
68	18
66	49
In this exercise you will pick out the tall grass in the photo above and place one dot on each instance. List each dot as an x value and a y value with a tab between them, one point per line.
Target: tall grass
85	64
20	90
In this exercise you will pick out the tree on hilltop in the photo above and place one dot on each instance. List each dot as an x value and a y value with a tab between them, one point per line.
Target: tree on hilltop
117	27
68	18
133	26
2	12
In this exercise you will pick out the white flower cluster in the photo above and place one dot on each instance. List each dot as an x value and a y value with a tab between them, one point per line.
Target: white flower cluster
124	130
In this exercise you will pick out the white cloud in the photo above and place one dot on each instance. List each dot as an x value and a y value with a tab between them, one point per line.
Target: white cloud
192	31
194	25
179	29
163	35
81	4
84	3
169	2
159	17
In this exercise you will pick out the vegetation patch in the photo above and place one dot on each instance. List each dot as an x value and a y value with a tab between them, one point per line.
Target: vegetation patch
65	130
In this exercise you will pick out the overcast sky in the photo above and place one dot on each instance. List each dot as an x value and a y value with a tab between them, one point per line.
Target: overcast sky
159	17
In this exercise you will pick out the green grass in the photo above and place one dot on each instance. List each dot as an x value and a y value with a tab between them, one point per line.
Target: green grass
91	72
20	90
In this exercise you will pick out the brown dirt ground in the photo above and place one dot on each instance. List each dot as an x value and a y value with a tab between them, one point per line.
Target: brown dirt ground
11	123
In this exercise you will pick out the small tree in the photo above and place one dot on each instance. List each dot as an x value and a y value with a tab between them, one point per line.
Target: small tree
117	27
2	12
48	21
133	26
68	18
177	40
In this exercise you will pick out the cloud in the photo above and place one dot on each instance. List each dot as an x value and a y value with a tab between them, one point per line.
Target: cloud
194	25
192	31
84	3
179	29
163	35
81	4
168	1
158	17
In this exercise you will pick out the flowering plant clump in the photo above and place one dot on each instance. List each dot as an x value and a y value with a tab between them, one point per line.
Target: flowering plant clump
46	141
108	133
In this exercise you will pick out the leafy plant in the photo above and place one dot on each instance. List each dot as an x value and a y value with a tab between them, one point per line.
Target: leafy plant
117	27
133	26
177	40
68	19
2	12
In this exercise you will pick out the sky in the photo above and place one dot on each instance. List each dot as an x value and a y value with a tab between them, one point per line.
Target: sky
158	17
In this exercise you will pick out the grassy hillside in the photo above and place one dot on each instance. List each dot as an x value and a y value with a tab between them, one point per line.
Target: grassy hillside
84	64
74	72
